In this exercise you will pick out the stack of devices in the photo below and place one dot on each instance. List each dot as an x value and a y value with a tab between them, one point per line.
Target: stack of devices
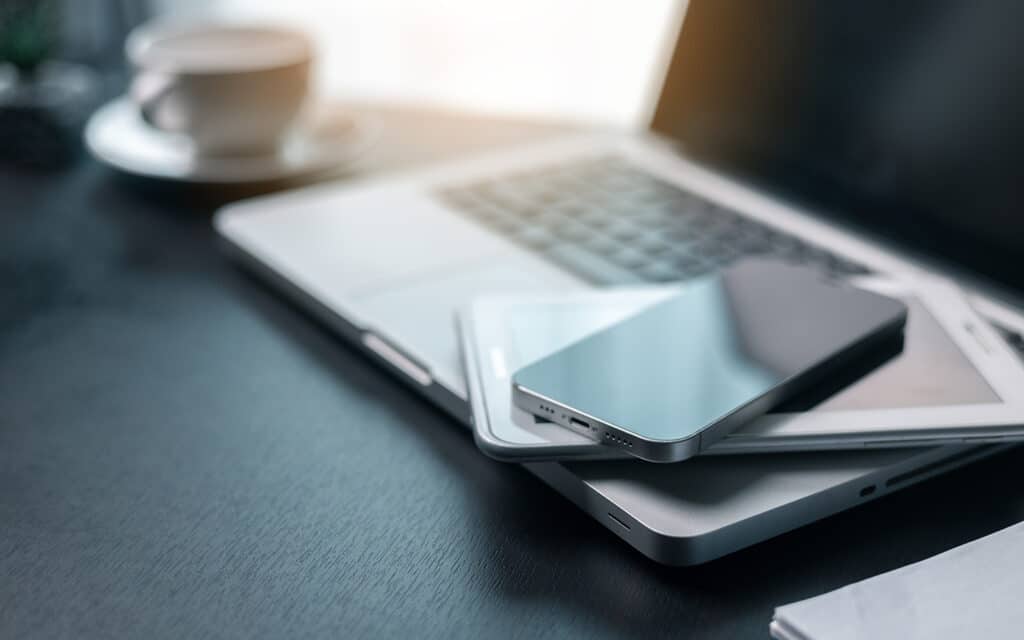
752	317
762	356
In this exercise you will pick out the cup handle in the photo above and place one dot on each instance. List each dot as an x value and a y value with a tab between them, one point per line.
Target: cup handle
150	92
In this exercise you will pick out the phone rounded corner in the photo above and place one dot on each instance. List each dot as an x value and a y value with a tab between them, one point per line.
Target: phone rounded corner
515	384
666	451
520	395
687	448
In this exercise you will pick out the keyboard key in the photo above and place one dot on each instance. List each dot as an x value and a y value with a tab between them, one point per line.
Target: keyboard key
602	245
590	266
682	235
536	237
595	218
699	269
651	243
572	231
623	230
550	220
661	271
653	220
573	210
629	257
710	250
683	257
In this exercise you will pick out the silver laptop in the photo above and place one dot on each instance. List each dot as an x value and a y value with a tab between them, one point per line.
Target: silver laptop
801	133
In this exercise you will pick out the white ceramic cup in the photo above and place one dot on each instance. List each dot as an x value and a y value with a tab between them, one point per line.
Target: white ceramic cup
233	90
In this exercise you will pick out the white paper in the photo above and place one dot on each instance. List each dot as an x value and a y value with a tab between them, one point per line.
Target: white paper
973	591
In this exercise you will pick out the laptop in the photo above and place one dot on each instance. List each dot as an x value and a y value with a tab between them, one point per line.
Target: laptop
862	138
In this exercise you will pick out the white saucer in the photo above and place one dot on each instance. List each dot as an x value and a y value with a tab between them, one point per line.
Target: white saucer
326	139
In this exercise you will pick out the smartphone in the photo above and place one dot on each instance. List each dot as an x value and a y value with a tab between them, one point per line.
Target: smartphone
666	383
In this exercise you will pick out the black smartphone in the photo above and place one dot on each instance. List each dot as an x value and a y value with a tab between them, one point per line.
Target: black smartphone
668	382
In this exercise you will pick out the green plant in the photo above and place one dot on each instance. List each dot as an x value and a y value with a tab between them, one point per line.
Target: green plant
28	31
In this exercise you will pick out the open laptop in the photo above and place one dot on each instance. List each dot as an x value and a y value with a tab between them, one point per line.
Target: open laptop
803	130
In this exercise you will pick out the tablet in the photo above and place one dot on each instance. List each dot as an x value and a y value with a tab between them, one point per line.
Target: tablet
956	380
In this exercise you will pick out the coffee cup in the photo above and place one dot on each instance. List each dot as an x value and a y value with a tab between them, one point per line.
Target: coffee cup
231	89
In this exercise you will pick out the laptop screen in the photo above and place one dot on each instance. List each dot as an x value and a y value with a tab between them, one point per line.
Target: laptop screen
906	117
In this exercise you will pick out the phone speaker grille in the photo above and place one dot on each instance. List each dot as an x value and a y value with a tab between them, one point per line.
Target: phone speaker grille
617	440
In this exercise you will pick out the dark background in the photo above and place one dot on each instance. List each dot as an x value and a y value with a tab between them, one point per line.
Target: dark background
902	117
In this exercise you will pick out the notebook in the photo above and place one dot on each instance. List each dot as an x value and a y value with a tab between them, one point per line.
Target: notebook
973	591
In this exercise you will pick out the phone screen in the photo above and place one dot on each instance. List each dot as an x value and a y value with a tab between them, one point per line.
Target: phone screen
678	367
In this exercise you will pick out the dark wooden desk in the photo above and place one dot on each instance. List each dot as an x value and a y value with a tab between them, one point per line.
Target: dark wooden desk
184	455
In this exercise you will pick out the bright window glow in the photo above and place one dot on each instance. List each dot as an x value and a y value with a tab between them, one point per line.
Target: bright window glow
598	61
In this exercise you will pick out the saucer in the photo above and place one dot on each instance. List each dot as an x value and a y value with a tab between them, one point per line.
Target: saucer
326	139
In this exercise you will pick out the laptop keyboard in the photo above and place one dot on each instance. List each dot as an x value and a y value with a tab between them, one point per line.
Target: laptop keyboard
612	223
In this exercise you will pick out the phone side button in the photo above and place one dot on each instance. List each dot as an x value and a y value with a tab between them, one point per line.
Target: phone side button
397	359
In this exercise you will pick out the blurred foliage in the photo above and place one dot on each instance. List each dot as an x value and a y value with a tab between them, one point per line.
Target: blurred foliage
28	32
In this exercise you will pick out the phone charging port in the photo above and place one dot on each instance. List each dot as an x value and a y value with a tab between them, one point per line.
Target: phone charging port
579	423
